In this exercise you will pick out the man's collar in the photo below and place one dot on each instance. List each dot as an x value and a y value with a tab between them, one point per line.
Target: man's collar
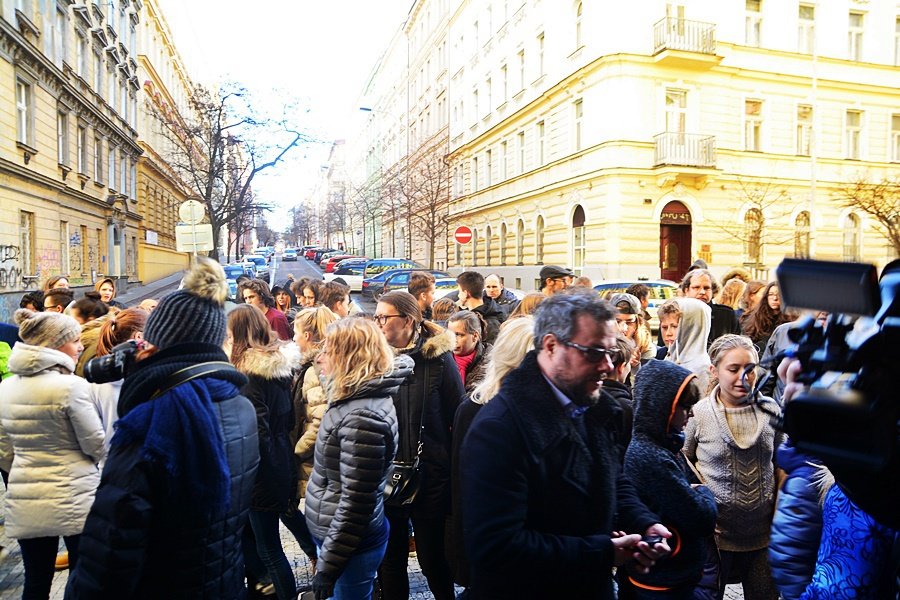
560	396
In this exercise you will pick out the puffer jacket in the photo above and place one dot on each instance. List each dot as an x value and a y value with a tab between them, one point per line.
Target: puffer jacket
797	525
653	463
138	541
435	381
309	405
269	390
90	335
356	443
51	440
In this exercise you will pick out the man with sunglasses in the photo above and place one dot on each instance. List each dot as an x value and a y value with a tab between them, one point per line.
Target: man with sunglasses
546	509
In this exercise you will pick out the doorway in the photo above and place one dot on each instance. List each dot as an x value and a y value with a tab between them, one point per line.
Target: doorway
674	241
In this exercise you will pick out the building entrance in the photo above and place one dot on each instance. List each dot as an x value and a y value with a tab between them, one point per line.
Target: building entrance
674	241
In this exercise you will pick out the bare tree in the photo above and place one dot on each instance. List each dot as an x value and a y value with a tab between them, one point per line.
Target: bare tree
879	200
426	186
221	147
265	235
301	226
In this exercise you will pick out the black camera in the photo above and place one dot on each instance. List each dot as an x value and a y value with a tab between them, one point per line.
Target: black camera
112	366
848	415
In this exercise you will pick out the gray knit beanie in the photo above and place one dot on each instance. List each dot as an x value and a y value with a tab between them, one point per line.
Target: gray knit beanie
47	329
195	313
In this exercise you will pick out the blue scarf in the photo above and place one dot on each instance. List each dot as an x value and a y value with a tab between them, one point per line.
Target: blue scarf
180	430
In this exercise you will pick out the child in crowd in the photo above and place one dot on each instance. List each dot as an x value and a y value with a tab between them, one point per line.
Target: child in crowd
669	317
616	385
732	443
689	347
664	395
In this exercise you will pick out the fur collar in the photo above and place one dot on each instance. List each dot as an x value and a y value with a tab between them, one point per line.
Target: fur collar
271	365
434	341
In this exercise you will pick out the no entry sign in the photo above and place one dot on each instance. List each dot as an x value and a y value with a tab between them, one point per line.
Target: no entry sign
462	235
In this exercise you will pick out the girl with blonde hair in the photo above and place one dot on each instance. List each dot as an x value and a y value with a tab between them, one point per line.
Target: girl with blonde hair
732	293
515	339
528	305
355	447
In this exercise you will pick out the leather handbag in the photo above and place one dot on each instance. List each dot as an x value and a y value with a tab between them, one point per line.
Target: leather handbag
405	477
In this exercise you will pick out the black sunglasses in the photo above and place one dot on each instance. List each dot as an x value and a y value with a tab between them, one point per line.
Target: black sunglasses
594	355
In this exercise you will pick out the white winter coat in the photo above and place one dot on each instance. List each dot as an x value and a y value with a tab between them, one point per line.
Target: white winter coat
51	439
105	398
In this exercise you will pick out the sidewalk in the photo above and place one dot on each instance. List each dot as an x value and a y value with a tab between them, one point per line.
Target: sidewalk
156	289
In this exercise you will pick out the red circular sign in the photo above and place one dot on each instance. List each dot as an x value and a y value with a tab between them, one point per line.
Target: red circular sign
462	235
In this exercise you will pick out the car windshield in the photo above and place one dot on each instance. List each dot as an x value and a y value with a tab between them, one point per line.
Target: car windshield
258	260
233	271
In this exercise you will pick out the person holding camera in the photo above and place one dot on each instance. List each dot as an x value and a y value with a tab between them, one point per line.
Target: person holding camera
51	440
176	488
355	447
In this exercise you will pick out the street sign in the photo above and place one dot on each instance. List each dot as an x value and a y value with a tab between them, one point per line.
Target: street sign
193	238
191	212
462	235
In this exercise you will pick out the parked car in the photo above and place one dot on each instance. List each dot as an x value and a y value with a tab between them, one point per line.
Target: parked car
329	264
326	255
349	272
232	272
660	291
318	255
398	279
289	254
262	266
310	253
370	269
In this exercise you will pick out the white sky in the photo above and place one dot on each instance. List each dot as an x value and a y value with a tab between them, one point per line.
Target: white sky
318	51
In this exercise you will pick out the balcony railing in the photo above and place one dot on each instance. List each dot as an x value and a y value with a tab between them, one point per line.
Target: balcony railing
672	33
684	149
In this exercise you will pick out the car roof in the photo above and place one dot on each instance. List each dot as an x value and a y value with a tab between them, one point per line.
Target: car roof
628	282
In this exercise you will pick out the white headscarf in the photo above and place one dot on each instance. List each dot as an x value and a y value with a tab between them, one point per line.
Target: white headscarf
689	349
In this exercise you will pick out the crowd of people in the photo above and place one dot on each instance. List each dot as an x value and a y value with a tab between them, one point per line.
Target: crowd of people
543	446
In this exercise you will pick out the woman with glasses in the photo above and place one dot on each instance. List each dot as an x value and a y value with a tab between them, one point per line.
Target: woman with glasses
355	447
426	404
631	324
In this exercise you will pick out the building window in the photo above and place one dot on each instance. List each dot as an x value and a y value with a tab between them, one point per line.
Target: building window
676	110
503	243
853	134
851	228
123	100
133	180
111	87
801	235
98	160
504	161
752	23
488	233
752	125
806	33
26	242
540	49
488	166
520	242
578	113
895	137
56	41
504	83
897	42
111	166
81	54
474	247
804	129
539	241
520	141
855	36
488	86
521	58
24	112
578	240
753	224
539	132
62	138
98	73
475	104
579	15
81	149
64	265
123	173
475	174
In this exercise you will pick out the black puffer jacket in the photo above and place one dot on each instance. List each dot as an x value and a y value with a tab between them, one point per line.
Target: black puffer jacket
356	443
269	389
436	381
658	471
138	541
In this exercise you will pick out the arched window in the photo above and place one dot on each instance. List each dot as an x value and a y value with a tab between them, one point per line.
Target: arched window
801	235
539	241
487	245
578	241
520	242
579	40
851	238
503	243
753	224
474	247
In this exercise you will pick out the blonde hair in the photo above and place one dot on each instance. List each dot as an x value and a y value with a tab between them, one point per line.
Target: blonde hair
731	293
358	352
725	344
527	305
516	338
314	320
669	308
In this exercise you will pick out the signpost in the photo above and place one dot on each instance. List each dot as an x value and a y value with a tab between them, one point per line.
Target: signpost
193	235
462	235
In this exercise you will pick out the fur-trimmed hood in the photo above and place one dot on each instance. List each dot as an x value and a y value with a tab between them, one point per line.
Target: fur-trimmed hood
434	340
271	365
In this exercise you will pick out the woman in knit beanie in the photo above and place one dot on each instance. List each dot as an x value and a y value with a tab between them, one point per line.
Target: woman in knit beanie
175	492
731	442
51	440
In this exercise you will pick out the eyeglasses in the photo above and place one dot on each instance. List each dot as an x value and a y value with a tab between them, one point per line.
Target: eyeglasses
629	321
594	355
383	319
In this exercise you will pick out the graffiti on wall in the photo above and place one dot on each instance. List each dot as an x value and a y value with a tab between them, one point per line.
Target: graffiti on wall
76	264
10	269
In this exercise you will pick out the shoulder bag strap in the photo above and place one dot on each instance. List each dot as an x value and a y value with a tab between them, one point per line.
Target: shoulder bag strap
192	372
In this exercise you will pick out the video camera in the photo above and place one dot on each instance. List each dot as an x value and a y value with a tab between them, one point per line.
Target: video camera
848	415
113	366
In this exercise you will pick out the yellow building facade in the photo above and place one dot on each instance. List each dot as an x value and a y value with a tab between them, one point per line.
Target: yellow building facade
628	145
68	157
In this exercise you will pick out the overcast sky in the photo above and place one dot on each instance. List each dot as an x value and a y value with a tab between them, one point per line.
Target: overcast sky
319	51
